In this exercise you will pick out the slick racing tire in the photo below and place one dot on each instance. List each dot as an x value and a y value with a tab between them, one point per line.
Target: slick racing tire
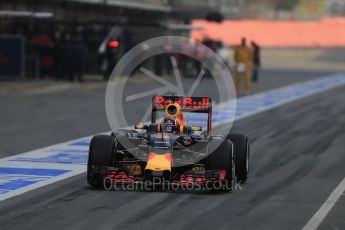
222	159
241	150
101	153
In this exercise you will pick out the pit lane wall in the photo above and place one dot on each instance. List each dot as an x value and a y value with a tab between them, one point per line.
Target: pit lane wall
327	32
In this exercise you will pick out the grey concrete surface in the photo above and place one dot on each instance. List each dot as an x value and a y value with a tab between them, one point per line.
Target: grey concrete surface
335	219
297	160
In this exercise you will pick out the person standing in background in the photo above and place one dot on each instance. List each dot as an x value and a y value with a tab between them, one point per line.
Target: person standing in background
77	53
243	57
256	61
67	57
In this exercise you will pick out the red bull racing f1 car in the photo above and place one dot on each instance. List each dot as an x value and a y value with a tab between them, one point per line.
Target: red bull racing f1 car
169	150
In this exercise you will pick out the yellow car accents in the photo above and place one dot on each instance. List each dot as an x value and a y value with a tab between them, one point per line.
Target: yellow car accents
159	162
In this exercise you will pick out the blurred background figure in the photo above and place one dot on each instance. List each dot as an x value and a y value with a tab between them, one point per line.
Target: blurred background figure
109	60
256	61
69	56
243	57
78	56
223	52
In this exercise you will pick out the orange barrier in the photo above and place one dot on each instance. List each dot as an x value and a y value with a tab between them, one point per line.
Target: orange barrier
324	33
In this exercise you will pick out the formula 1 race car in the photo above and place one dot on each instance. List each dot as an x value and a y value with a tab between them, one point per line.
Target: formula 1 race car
170	150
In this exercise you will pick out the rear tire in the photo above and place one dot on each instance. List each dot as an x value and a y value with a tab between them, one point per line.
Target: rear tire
241	150
222	159
101	153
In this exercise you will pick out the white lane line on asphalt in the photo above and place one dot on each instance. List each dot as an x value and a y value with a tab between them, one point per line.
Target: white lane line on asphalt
326	207
69	158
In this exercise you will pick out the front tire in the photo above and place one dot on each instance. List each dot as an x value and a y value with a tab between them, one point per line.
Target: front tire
223	159
101	153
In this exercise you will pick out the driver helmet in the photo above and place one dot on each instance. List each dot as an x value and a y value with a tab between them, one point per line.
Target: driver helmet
169	125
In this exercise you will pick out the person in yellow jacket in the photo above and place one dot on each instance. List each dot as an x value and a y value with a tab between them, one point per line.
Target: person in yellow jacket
243	57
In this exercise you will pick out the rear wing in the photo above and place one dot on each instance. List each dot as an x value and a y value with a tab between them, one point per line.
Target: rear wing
188	104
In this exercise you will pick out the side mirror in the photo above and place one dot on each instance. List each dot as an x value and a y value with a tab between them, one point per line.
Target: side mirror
139	126
196	128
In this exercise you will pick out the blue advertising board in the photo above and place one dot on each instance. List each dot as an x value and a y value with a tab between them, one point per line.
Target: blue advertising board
11	57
